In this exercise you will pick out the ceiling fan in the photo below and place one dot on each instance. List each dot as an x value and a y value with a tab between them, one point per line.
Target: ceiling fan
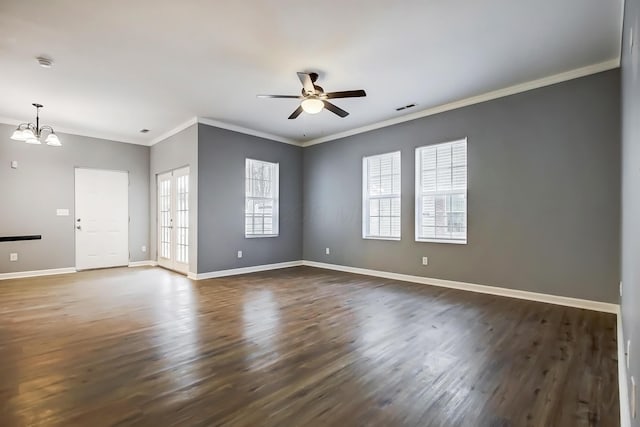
314	99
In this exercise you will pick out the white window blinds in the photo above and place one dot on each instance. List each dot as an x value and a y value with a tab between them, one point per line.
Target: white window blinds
381	196
441	192
261	198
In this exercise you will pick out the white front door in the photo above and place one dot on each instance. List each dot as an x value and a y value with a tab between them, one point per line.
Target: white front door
102	218
173	220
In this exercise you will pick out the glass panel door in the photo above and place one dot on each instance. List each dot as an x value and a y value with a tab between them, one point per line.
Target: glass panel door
173	220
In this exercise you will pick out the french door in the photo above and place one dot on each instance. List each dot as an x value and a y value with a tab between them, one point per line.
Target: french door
173	220
101	218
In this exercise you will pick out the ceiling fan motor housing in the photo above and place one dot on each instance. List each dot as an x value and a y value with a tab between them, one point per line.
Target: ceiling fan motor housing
319	90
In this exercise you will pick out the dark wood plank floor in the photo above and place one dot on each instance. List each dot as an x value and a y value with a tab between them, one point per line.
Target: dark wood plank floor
295	347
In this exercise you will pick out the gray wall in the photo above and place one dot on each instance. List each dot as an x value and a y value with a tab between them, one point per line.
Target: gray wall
175	152
543	199
222	155
631	186
44	182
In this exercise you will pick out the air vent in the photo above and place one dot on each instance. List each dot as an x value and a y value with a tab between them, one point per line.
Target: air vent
44	61
144	130
405	107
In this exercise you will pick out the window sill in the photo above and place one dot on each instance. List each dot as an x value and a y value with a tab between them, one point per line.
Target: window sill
258	236
454	242
397	239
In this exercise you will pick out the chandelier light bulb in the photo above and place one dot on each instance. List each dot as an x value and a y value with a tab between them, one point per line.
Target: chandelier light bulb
32	140
28	134
18	135
52	140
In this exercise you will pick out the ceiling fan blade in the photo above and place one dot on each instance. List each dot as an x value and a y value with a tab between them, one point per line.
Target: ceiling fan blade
346	94
296	113
336	110
307	83
280	96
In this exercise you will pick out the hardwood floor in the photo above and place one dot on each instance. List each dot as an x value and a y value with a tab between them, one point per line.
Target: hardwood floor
295	347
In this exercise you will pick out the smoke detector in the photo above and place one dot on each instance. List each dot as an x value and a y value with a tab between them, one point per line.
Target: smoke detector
44	61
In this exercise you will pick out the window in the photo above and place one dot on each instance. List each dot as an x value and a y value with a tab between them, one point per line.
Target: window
381	196
441	192
261	199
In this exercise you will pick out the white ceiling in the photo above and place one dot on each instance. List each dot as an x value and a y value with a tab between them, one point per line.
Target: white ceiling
124	65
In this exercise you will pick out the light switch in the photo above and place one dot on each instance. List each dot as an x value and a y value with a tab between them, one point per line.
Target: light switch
14	164
62	212
239	254
13	256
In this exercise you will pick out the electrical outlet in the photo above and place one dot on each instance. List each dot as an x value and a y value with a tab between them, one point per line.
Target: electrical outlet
633	398
327	251
239	254
144	249
13	256
628	354
425	260
14	164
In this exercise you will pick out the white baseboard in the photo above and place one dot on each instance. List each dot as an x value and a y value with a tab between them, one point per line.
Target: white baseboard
147	263
484	289
243	270
625	413
35	273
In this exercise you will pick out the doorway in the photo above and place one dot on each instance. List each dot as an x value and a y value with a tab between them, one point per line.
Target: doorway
173	220
101	218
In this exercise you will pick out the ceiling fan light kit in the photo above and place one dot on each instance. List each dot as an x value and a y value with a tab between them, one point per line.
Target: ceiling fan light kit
32	134
314	98
312	105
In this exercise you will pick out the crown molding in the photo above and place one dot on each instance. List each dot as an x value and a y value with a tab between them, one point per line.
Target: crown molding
192	121
247	131
511	90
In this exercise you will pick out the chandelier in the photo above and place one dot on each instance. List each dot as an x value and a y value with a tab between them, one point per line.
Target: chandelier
32	134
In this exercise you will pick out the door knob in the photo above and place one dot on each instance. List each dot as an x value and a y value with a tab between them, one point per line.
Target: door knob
78	227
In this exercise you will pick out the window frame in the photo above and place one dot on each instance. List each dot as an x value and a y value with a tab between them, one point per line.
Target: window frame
366	197
419	194
275	198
